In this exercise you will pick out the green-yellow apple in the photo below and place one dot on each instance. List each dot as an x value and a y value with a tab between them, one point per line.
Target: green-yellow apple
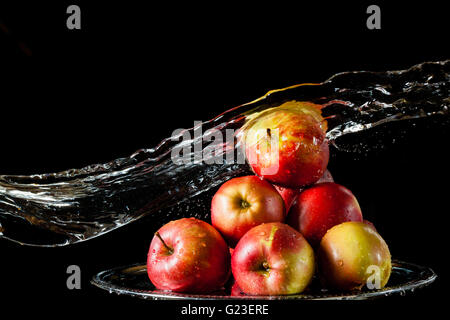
352	255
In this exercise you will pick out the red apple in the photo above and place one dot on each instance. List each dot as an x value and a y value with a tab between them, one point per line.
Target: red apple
243	203
351	255
287	145
188	255
273	259
321	207
289	195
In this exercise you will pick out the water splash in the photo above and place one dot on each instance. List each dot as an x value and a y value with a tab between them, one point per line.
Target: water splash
79	204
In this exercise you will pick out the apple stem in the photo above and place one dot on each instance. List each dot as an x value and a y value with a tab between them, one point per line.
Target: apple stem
164	244
266	265
269	134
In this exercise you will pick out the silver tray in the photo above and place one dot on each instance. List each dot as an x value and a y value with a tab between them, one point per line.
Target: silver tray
133	281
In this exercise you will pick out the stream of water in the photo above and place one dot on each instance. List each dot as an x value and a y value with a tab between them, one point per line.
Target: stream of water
75	205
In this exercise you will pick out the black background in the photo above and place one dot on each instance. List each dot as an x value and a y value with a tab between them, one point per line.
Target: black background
135	72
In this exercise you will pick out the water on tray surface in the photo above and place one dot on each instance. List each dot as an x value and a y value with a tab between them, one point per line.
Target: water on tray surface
78	204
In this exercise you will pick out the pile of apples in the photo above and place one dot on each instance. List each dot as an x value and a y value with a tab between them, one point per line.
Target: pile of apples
276	230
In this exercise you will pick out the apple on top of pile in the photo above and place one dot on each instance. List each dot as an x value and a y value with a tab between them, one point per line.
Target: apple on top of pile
274	230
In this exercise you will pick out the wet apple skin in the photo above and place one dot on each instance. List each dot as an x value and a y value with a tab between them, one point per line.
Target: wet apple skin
289	195
320	207
273	259
232	219
302	149
200	261
347	251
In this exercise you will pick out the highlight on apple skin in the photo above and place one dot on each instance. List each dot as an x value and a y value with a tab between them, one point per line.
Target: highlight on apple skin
350	253
273	259
287	144
188	255
243	203
324	205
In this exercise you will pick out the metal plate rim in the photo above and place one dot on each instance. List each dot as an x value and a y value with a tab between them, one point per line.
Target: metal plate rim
429	278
